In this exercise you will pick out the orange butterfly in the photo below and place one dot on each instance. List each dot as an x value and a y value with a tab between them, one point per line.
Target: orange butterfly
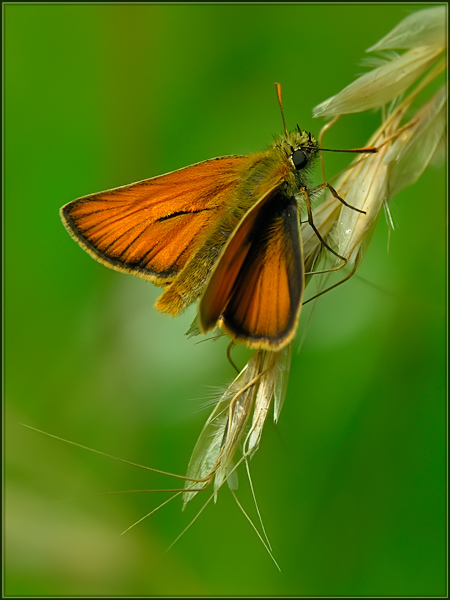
226	231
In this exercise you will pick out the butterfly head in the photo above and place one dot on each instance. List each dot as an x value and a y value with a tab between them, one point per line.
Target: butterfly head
300	149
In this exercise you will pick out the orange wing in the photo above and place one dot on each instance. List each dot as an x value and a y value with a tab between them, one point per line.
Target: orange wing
151	228
257	286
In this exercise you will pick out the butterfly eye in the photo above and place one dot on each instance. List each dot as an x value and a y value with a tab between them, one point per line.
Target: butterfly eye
299	159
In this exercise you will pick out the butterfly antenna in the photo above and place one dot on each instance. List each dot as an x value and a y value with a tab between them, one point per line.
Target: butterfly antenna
367	150
280	102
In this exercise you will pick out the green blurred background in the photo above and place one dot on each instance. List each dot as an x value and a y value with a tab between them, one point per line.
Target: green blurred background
351	484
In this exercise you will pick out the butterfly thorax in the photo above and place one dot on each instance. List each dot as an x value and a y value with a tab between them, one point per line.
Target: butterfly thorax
285	164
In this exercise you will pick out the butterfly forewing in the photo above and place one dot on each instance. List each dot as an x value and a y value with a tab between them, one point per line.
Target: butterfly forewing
151	228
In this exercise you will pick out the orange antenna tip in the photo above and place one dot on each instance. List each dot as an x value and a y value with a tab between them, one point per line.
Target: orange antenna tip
280	102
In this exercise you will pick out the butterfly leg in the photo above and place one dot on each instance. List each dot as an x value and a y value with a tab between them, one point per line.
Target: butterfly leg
230	360
336	195
305	192
346	278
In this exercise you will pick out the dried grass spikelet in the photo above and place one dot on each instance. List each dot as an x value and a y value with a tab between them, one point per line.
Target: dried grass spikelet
409	138
405	147
238	418
423	36
261	381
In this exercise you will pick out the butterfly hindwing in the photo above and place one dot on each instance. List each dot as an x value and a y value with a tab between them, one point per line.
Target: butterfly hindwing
257	285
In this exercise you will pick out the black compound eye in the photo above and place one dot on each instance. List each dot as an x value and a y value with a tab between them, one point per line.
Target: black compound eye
299	159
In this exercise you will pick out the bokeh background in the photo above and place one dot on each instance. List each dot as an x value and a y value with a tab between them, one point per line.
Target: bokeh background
351	483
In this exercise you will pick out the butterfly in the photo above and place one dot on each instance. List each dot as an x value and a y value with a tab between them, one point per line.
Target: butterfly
226	230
